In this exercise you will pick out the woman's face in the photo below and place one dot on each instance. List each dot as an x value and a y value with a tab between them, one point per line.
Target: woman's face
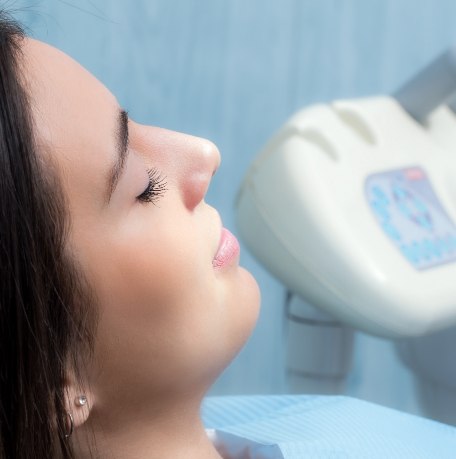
169	320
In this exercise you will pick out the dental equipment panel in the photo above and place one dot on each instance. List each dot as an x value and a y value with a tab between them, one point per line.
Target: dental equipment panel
352	205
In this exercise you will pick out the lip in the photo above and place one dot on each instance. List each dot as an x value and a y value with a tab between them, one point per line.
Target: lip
228	250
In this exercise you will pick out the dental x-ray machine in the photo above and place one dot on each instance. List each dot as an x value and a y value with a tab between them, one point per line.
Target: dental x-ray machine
352	205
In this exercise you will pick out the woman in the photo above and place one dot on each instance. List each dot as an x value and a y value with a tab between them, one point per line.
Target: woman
121	295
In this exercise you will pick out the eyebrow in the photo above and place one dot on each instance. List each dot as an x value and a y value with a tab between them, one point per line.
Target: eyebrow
122	152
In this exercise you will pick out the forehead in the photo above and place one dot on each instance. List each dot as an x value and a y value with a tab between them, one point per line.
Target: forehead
74	115
61	89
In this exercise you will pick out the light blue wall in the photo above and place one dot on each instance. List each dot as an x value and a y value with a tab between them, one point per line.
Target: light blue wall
233	71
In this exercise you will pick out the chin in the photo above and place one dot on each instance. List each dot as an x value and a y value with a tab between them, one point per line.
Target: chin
243	309
253	290
249	304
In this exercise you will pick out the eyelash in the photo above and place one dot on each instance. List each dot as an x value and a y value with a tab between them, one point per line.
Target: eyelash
155	189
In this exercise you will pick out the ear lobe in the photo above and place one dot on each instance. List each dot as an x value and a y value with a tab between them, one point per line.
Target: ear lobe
78	402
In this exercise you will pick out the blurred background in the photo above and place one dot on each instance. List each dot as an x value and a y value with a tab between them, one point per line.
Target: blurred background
233	71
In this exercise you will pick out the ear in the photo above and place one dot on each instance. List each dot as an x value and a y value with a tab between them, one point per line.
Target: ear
78	401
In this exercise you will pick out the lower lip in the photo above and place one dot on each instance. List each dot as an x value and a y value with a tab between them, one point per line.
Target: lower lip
228	250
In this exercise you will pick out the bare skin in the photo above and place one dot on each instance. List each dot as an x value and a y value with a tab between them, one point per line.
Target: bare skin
169	322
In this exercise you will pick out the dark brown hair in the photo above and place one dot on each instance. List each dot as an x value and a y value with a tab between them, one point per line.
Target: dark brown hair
46	306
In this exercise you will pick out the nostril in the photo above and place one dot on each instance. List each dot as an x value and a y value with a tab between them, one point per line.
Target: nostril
195	189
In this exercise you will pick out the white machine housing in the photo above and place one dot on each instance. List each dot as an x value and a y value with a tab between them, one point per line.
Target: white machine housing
307	210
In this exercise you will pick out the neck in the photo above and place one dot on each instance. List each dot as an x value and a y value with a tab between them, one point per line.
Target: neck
169	431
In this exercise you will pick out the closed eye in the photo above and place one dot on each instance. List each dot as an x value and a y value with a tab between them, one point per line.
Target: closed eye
155	189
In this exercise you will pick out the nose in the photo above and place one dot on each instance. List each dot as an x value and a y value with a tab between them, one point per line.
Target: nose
202	161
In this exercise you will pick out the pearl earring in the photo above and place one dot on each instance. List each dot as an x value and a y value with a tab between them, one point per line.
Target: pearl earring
81	400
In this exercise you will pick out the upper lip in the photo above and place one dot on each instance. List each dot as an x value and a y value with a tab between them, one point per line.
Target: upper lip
220	228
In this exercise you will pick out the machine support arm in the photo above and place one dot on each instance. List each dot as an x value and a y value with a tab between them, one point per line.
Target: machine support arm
431	87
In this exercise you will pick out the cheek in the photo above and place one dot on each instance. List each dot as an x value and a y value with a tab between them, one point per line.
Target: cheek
161	304
150	274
